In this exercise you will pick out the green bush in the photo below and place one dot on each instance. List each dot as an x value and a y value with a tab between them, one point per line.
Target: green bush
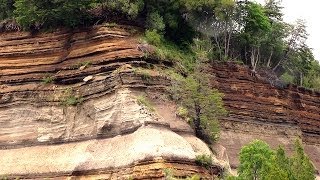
72	100
153	37
155	22
259	161
47	80
6	9
168	51
51	14
204	160
131	8
287	78
204	103
69	99
182	112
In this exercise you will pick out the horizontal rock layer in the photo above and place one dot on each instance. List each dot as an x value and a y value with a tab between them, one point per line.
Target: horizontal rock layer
69	108
133	155
259	110
37	111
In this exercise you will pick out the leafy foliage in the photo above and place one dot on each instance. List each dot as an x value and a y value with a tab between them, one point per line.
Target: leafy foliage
259	161
48	13
221	29
169	51
254	160
47	80
204	160
204	103
6	9
301	167
72	100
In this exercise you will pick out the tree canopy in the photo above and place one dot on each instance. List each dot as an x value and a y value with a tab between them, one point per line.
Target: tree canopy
259	161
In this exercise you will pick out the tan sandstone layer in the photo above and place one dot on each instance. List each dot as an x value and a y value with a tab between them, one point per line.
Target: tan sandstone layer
100	137
69	109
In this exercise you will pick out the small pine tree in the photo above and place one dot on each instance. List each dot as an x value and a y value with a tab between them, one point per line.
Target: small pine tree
301	166
204	104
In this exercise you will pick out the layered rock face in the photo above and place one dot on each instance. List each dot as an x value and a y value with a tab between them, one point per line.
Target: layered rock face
259	110
69	108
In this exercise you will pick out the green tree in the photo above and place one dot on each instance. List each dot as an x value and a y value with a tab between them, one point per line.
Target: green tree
204	104
312	77
259	161
131	8
274	44
255	160
256	27
6	9
52	13
296	39
302	168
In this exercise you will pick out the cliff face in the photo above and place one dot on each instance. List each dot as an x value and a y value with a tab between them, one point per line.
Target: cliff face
69	108
259	110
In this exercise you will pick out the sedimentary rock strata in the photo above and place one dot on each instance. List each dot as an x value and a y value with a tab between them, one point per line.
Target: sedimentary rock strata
260	110
69	109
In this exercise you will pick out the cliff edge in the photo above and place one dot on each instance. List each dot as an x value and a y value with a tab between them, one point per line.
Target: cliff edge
69	107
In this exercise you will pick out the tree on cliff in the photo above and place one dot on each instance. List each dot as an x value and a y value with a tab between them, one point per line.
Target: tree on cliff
203	103
259	161
256	26
6	9
50	14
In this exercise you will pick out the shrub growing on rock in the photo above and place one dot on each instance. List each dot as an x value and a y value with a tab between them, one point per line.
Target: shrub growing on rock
204	103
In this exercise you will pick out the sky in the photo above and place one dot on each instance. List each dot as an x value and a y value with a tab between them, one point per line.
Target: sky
309	11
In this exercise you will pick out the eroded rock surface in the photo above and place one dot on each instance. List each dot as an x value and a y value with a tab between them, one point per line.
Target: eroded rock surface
69	109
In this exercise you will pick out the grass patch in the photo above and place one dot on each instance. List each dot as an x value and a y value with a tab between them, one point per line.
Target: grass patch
204	160
183	113
111	24
145	74
183	58
72	101
69	99
143	101
47	80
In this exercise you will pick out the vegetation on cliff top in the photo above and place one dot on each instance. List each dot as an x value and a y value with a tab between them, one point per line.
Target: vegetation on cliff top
231	30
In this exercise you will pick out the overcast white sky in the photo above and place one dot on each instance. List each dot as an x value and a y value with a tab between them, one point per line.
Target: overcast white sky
309	10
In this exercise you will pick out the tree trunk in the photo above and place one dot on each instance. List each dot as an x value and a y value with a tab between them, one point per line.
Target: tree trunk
252	58
219	47
301	78
228	44
196	120
269	59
